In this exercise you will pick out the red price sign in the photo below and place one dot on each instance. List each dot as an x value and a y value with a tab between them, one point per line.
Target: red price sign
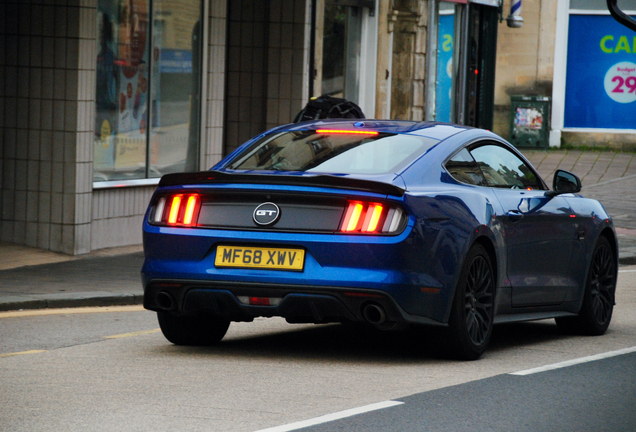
620	82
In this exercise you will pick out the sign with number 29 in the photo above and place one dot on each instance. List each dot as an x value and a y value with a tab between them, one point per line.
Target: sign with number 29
620	82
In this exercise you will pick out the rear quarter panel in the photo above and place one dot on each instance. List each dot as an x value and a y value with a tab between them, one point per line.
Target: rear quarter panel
449	219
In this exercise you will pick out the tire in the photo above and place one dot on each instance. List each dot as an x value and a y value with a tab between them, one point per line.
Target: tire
471	319
199	330
598	300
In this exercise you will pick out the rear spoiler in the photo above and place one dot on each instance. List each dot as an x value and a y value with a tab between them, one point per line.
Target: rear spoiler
323	180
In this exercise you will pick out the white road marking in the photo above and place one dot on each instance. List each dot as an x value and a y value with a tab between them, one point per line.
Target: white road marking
627	271
612	181
576	361
331	417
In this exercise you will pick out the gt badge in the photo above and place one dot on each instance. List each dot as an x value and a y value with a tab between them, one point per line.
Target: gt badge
266	214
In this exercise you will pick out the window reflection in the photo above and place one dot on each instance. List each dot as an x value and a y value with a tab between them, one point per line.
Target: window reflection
501	168
332	153
463	168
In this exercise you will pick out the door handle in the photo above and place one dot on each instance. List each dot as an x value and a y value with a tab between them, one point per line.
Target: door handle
515	215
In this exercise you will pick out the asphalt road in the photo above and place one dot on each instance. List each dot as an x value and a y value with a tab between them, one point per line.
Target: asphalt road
113	371
594	396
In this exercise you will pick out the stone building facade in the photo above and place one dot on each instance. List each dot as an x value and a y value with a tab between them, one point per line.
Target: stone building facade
99	98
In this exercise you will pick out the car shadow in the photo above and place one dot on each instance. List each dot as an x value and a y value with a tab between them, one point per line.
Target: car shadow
343	343
355	344
525	334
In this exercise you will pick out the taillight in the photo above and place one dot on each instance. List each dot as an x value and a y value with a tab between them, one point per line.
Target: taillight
372	218
177	210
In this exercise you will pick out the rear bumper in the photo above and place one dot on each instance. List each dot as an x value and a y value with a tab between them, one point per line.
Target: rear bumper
402	269
298	304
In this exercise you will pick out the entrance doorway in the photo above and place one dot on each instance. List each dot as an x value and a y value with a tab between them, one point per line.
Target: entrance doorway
481	54
465	63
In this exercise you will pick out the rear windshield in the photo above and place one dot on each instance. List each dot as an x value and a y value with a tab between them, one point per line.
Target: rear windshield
326	152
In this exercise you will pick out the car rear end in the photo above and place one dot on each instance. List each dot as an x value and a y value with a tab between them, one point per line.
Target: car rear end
307	246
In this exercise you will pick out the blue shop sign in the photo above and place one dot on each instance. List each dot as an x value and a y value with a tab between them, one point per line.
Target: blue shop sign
600	88
175	61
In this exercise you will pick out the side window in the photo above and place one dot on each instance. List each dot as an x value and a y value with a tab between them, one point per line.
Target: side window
504	169
464	169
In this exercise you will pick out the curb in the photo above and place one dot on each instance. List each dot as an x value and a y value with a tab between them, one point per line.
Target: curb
96	299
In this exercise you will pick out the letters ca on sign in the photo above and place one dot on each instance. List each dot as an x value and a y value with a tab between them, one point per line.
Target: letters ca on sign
612	45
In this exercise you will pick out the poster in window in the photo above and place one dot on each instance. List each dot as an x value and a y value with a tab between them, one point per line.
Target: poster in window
443	96
133	85
600	87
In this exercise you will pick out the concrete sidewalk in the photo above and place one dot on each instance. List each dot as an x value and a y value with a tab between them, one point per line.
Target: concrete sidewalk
32	278
103	279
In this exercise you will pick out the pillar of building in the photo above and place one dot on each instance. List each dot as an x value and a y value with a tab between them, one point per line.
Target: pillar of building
46	122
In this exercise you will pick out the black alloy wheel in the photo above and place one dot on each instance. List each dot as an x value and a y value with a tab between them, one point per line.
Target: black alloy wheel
471	320
598	301
196	330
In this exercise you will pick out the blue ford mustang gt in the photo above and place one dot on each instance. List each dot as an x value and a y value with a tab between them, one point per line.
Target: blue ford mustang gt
383	222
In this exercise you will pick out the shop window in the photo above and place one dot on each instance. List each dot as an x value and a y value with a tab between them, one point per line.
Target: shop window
147	88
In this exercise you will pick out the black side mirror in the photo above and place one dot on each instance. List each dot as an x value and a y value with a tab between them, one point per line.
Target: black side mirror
565	182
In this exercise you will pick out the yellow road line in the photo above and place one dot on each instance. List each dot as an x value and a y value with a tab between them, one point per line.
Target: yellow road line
22	353
68	311
139	333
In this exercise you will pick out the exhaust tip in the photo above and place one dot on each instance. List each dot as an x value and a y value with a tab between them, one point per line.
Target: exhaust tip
165	301
374	314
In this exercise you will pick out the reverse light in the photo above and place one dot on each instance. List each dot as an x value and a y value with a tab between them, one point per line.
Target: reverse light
177	210
371	218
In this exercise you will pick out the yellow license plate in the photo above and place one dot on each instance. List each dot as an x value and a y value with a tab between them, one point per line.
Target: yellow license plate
259	257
